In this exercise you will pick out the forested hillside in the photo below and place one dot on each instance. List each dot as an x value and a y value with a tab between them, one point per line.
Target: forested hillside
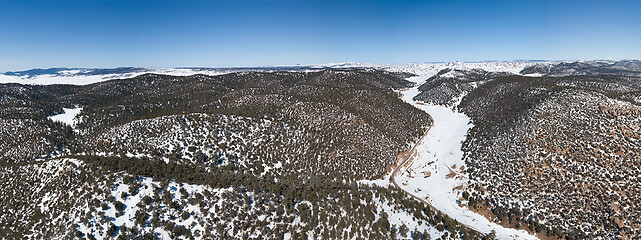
557	155
243	155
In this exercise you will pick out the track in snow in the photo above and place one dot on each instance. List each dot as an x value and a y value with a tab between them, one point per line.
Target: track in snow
439	153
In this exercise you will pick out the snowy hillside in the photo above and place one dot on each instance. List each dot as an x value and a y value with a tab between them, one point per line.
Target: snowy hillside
84	76
484	150
436	171
515	140
246	155
81	76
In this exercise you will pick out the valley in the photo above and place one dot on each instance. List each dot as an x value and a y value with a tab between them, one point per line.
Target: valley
348	151
435	172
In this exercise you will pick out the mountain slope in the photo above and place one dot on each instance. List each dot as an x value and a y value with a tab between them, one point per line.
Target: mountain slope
544	148
243	155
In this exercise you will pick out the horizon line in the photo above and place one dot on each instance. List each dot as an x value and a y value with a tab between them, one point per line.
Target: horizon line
319	65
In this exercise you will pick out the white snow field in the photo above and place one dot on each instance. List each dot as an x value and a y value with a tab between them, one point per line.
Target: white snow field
68	117
436	172
80	77
75	77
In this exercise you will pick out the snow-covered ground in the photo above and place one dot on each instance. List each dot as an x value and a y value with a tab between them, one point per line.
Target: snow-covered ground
132	206
85	76
398	217
437	172
429	69
76	77
68	117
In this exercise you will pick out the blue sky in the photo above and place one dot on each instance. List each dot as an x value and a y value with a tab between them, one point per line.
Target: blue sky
159	33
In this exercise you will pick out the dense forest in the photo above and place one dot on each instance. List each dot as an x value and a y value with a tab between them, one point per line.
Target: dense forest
247	155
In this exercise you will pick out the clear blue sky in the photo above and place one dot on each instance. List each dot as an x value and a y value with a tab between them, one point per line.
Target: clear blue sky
110	33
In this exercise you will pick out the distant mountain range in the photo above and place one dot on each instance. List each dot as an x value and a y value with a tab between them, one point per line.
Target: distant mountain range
84	76
591	68
74	71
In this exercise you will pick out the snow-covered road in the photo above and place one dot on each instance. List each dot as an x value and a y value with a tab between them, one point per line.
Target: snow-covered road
436	171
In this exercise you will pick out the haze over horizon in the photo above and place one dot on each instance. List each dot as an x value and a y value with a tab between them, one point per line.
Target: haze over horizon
103	34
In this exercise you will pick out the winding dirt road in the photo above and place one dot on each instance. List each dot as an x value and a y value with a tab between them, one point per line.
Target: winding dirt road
405	161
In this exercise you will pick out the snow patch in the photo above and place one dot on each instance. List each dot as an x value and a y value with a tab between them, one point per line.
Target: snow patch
68	117
398	218
269	168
